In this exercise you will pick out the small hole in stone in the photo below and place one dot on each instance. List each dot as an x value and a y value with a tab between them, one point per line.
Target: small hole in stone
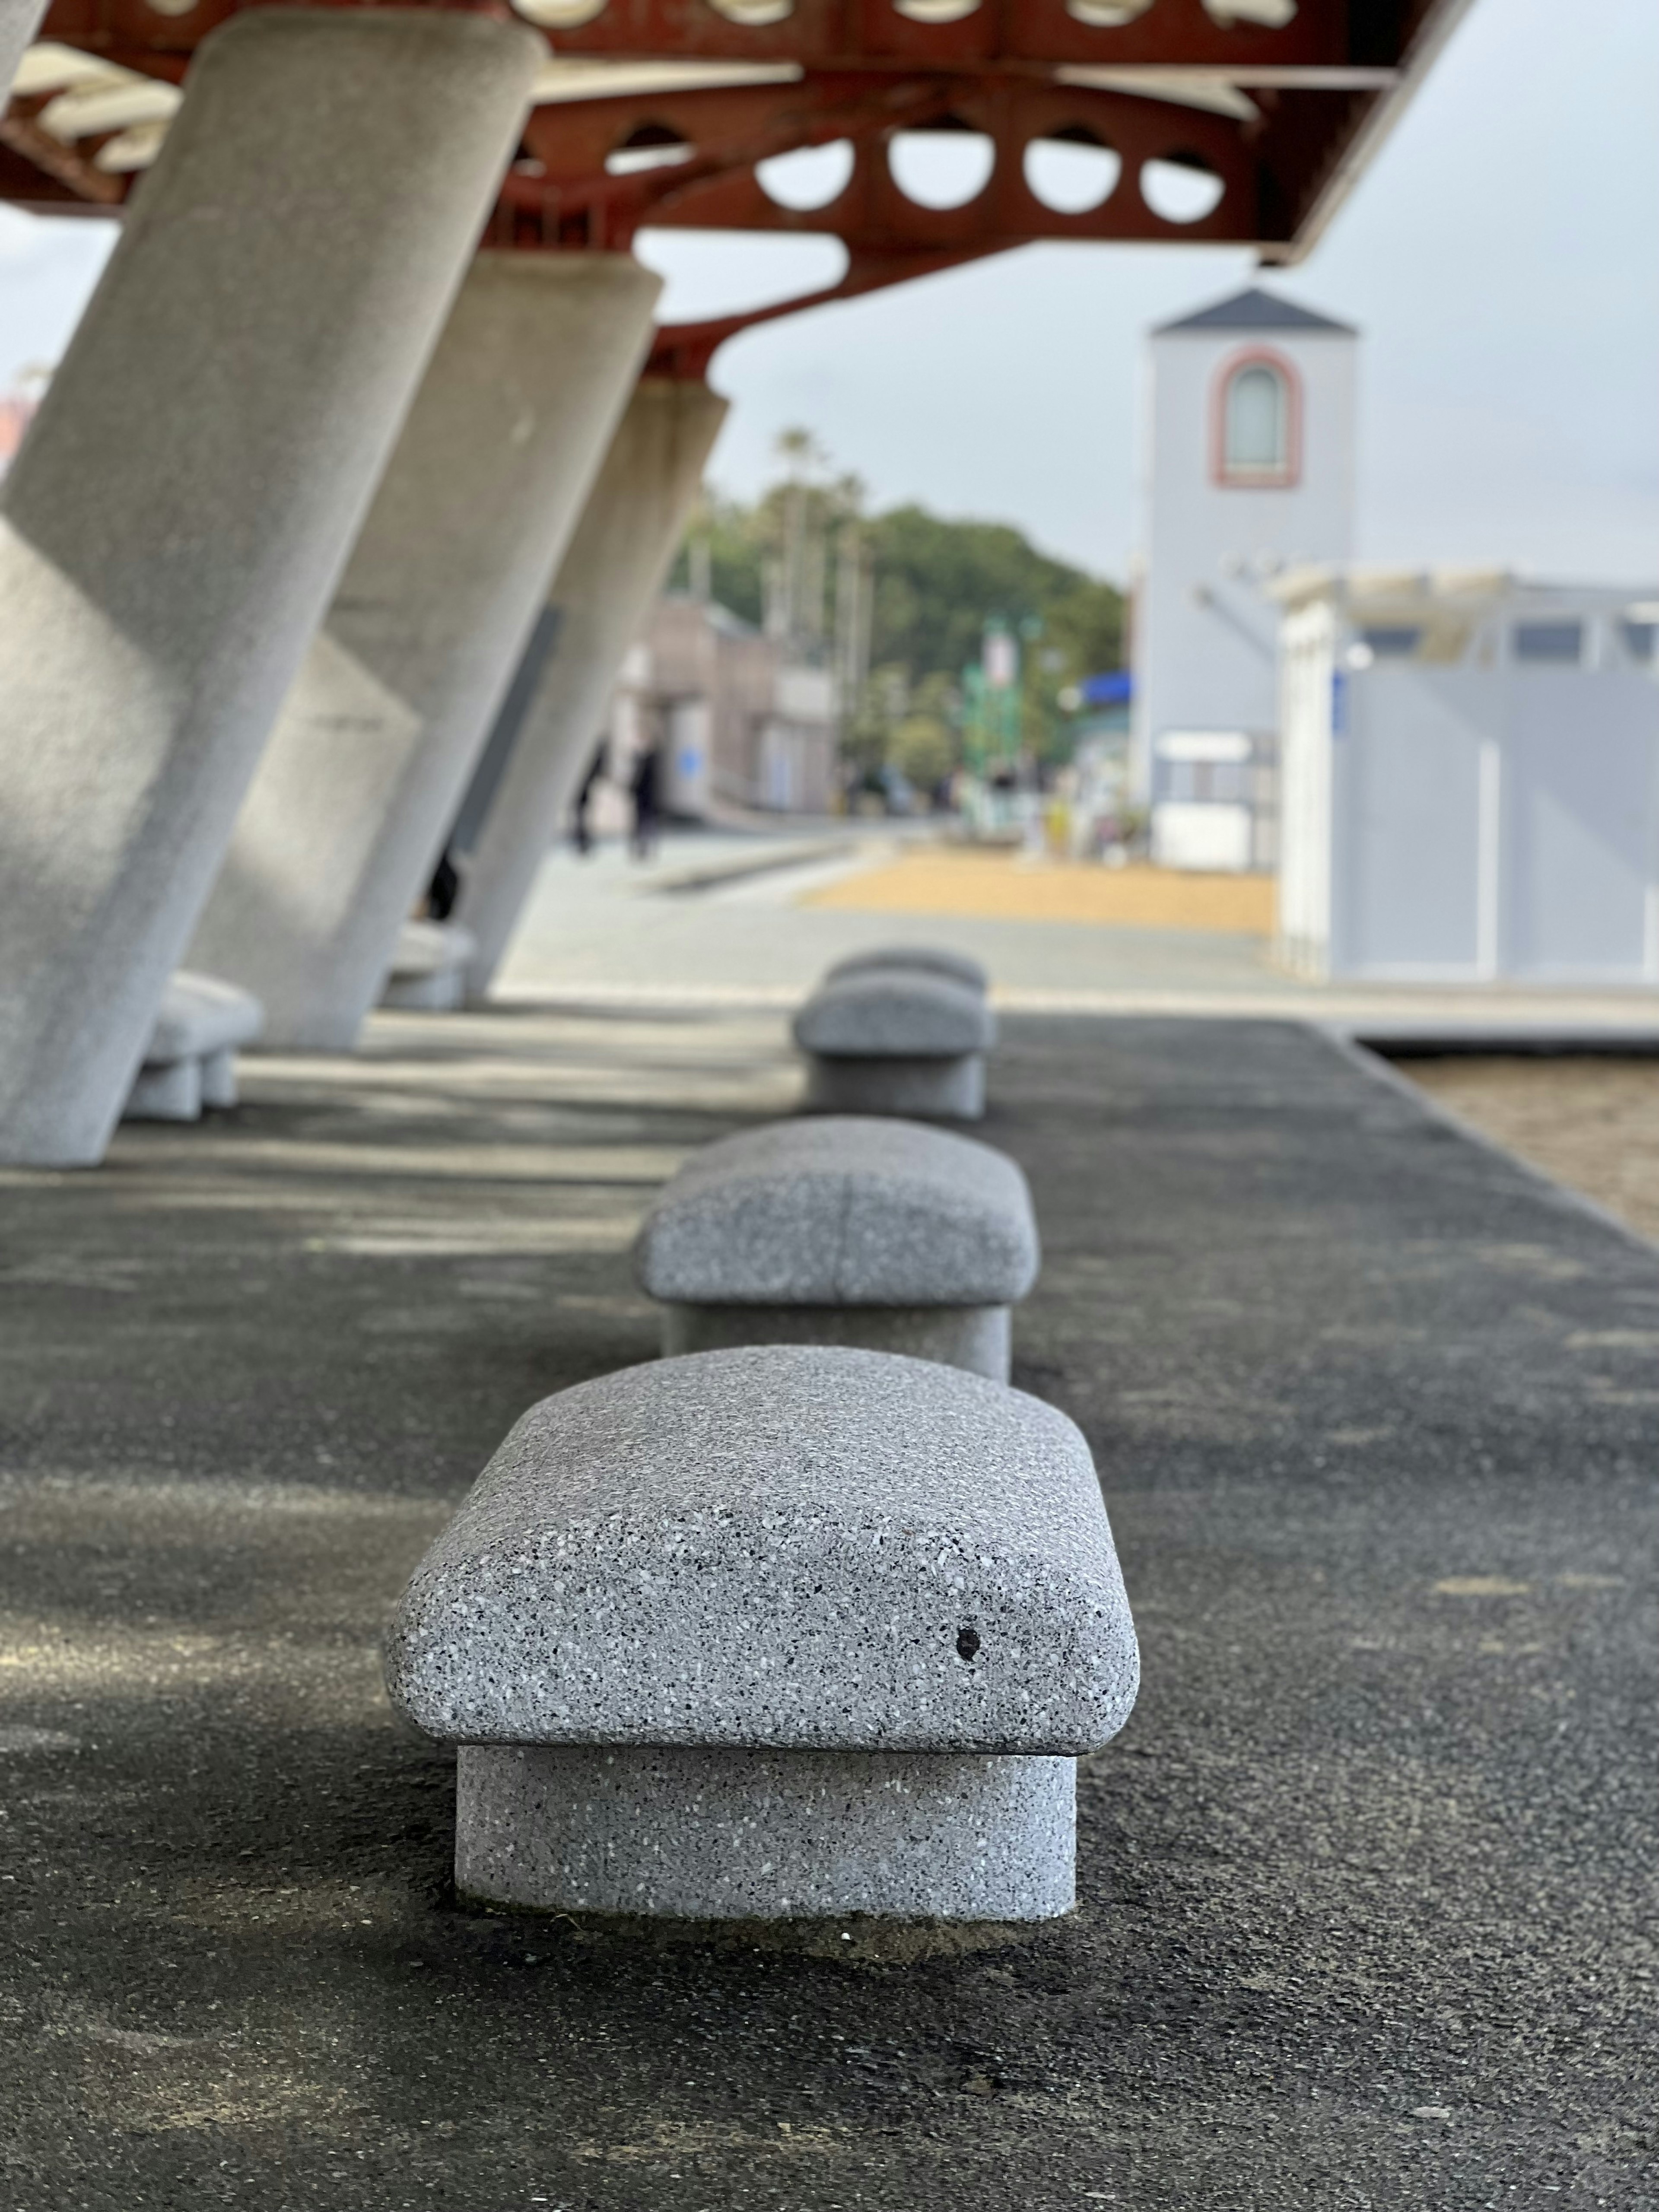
967	1644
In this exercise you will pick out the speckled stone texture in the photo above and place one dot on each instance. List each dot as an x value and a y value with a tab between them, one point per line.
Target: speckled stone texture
978	1338
842	1211
898	1014
806	1548
929	959
928	1090
739	1835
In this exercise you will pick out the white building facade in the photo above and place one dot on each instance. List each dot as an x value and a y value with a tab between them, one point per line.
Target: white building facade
1249	470
1471	779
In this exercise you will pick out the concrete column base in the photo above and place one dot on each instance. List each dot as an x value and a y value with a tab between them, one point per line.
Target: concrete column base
942	1090
978	1338
766	1835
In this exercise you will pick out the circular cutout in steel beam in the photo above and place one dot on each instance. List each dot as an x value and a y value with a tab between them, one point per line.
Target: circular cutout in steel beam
1180	187
651	146
935	11
1261	15
941	168
1072	173
754	15
558	14
809	178
1106	15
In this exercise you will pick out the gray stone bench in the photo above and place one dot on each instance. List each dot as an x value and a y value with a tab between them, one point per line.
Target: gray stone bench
896	1041
784	1632
190	1062
428	970
843	1230
926	959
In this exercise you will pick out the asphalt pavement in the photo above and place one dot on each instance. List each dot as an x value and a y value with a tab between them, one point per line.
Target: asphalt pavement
1367	1904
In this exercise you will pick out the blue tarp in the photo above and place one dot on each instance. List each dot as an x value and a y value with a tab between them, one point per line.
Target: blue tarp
1114	689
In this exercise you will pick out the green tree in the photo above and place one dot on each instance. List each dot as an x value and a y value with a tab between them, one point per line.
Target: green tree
937	584
923	749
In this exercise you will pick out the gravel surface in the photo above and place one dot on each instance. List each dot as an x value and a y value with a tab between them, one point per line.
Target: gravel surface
1590	1119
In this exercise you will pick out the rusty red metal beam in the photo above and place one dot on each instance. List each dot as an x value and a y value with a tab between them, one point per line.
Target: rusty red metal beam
684	351
833	33
1322	86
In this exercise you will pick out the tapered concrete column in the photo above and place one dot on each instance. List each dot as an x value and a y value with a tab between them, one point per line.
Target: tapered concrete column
357	787
617	559
174	526
18	20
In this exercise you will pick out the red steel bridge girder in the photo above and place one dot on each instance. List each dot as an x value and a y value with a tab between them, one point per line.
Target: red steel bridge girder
1321	87
827	33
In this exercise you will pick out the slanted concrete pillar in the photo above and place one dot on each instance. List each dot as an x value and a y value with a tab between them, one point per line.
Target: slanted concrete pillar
613	570
362	776
18	20
174	526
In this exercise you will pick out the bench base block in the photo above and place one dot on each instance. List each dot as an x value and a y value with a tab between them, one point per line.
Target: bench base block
942	1090
699	1834
170	1092
440	991
219	1079
978	1338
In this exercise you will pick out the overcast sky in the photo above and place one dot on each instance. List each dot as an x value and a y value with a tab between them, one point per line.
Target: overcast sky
1500	257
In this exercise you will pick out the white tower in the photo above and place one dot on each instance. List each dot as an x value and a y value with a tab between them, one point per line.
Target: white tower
1250	471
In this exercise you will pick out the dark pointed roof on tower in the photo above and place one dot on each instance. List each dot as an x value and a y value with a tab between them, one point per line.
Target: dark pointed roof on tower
1256	310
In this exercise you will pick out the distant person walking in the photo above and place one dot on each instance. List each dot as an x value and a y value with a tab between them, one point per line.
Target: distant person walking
646	766
580	835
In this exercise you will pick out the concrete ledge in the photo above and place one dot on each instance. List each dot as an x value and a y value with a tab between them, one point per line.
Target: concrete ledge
927	1089
767	1835
977	1338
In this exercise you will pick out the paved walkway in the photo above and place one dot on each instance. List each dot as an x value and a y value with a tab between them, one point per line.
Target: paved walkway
604	931
1004	886
1367	1913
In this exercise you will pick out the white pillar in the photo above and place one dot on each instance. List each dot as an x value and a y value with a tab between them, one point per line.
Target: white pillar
617	559
175	523
18	20
357	787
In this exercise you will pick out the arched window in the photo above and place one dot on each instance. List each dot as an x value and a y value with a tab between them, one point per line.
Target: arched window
1257	423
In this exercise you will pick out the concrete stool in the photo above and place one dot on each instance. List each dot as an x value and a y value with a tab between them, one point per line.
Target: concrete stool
785	1632
896	1041
927	959
428	970
883	1233
190	1062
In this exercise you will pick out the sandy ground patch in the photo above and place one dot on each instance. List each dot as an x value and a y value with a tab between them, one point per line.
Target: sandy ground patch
1591	1122
1002	886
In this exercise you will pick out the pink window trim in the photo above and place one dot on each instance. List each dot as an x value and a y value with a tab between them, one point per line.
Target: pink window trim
1255	479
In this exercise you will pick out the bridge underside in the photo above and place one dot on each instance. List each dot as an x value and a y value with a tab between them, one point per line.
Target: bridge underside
667	111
